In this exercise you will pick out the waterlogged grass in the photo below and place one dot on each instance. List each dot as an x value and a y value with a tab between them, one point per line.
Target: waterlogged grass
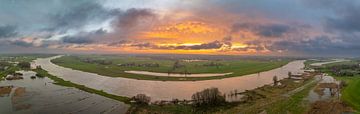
238	67
8	71
275	102
293	104
59	81
179	109
167	109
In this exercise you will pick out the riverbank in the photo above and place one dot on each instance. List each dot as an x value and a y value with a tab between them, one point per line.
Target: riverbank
268	98
117	68
166	90
42	73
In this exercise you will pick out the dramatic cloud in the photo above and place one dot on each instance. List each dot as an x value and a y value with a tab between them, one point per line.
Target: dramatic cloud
307	27
225	43
348	20
83	37
132	17
267	30
7	31
79	15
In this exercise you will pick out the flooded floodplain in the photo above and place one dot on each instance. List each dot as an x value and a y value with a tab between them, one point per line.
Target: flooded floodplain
41	96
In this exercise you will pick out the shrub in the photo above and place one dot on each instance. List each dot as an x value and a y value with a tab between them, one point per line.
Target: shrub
342	84
142	99
210	96
24	65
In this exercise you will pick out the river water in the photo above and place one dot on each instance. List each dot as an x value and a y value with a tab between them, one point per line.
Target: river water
167	90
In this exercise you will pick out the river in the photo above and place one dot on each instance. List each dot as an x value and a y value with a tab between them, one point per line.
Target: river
167	90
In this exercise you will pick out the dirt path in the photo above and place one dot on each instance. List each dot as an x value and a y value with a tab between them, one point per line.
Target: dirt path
290	93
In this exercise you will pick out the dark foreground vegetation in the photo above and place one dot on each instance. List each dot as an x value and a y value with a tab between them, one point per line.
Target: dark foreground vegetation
272	99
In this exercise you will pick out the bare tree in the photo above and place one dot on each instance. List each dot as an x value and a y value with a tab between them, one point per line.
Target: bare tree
275	79
210	96
289	75
142	99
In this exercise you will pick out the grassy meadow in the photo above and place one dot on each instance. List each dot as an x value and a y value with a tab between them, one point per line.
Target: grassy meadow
111	66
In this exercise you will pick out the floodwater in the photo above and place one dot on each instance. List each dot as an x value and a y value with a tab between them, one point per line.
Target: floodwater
40	96
328	62
315	96
167	90
177	75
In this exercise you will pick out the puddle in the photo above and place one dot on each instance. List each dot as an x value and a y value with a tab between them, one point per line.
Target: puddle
325	90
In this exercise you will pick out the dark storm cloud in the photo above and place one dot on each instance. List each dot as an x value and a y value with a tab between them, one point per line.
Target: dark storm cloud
119	43
267	30
347	21
83	37
210	45
131	17
317	45
342	24
22	43
7	31
256	45
321	45
346	14
274	30
79	15
76	39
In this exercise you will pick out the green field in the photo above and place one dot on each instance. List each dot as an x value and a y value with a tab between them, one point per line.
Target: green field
10	70
351	92
238	67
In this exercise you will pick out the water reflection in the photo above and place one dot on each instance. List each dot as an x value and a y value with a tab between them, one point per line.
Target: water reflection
41	96
326	89
167	90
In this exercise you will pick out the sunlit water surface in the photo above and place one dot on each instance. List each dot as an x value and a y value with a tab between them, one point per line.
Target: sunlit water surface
167	90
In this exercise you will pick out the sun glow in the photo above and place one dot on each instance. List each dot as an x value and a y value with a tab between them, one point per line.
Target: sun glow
183	31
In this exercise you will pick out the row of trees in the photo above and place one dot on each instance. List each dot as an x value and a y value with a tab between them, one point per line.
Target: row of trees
207	97
97	61
133	64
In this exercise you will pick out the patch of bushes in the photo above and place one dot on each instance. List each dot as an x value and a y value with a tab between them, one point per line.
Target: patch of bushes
208	97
